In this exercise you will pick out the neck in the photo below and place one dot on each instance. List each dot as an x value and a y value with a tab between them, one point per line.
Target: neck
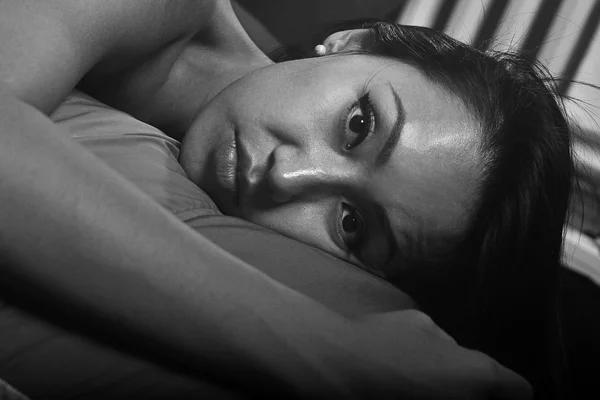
213	59
197	77
169	88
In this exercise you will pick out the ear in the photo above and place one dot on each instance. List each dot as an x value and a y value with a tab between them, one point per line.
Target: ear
351	40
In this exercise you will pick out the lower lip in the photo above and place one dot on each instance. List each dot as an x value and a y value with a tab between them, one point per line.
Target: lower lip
226	158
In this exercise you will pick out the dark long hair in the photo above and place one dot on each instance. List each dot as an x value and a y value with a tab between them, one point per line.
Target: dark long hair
496	288
510	259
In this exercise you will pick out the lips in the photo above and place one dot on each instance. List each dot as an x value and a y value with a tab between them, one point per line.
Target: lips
237	176
242	171
232	164
226	164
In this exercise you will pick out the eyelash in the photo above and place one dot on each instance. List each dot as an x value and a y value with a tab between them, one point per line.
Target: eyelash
367	109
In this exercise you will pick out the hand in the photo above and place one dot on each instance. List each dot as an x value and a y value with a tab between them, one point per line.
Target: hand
406	355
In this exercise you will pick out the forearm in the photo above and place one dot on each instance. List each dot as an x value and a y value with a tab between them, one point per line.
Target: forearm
72	227
76	232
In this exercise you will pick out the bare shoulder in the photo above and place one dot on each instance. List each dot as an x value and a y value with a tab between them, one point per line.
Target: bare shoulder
47	46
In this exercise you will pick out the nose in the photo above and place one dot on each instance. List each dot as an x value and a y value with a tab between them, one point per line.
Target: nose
296	173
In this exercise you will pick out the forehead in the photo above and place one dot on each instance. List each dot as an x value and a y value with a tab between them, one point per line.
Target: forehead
430	181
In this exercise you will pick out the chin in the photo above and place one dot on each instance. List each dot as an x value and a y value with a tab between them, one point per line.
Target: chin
225	200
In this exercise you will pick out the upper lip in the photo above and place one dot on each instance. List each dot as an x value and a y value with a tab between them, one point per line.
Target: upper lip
250	175
242	169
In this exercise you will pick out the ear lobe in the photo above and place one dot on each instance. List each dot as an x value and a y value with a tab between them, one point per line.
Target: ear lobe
350	40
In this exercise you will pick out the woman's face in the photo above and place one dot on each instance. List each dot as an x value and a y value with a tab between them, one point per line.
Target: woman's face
354	154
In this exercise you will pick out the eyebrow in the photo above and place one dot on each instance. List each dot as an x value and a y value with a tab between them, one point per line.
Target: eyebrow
392	141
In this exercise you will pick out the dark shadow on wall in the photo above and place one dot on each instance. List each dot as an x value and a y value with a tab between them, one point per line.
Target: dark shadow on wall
295	21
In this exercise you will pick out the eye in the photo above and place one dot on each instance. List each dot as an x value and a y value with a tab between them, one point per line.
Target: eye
360	122
351	229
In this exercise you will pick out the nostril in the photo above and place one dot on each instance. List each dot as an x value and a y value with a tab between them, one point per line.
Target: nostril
264	196
275	187
281	184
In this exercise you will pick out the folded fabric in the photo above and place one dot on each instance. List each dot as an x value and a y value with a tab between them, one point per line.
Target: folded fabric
46	357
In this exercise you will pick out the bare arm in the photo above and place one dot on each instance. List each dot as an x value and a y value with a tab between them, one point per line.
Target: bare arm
73	228
47	46
159	60
75	231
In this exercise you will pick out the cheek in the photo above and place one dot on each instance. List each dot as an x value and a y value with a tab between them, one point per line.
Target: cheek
307	223
289	93
429	188
255	90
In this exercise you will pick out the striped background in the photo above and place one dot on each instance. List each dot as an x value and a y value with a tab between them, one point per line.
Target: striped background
563	34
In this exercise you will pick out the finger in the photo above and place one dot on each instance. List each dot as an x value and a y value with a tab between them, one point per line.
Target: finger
425	322
510	385
495	381
439	332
